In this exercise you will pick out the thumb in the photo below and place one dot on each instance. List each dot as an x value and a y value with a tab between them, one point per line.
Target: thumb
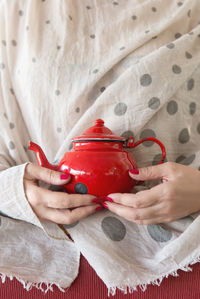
148	173
49	176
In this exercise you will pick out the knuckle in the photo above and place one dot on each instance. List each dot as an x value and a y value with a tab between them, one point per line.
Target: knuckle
171	166
50	175
137	204
136	215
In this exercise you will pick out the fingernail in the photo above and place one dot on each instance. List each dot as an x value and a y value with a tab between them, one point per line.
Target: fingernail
97	200
104	205
109	199
134	171
64	176
98	208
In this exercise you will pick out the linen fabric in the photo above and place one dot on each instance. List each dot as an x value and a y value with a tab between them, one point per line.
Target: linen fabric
64	64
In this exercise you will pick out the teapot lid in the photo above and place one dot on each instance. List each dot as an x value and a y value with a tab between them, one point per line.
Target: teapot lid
98	132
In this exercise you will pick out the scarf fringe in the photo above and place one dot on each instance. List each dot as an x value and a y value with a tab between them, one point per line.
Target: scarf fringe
130	289
42	286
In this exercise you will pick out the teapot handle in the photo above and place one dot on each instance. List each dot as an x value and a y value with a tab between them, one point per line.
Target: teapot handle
131	144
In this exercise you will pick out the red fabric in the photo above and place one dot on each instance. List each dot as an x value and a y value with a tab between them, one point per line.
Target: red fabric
88	285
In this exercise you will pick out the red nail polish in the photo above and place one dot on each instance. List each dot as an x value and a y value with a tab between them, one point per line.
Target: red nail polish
109	199
98	208
97	200
134	171
104	205
64	176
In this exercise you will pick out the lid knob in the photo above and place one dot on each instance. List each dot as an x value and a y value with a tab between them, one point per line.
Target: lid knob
99	122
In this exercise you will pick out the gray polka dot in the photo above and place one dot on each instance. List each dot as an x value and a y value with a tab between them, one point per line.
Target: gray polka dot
88	7
147	133
199	168
192	108
21	13
157	158
58	47
47	22
71	146
14	43
184	136
172	107
179	3
12	91
189	13
59	130
77	109
154	9
154	37
5	115
176	69
27	27
0	219
127	134
2	66
115	3
113	228
198	128
81	188
3	42
154	103
158	233
120	109
70	225
170	45
134	17
11	145
145	80
57	92
92	36
190	84
11	125
188	55
33	59
70	17
191	33
95	71
185	160
177	35
102	89
122	48
147	31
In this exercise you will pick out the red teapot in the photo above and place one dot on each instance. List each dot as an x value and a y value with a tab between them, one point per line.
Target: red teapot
98	163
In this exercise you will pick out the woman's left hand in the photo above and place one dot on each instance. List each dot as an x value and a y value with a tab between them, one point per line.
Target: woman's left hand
177	197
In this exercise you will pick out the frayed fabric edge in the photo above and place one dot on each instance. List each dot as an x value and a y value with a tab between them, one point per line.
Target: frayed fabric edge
42	286
130	289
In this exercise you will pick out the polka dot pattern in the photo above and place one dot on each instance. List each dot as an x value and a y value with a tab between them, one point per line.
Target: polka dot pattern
11	125
57	92
147	133
190	84
198	128
71	225
102	89
172	107
145	80
134	17
192	108
177	35
77	109
176	69
154	103
14	43
184	136
127	134
170	45
188	55
158	233
11	145
2	66
113	228
120	109
185	161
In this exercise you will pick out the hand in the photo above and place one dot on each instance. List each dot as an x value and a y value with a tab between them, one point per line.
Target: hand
58	207
177	197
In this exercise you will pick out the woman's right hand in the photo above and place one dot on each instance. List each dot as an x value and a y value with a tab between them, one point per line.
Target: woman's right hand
53	206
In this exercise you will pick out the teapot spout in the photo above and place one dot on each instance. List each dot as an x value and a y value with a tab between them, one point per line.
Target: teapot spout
41	158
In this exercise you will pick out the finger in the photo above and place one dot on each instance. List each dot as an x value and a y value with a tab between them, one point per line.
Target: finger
49	176
150	172
68	216
132	214
141	199
63	200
